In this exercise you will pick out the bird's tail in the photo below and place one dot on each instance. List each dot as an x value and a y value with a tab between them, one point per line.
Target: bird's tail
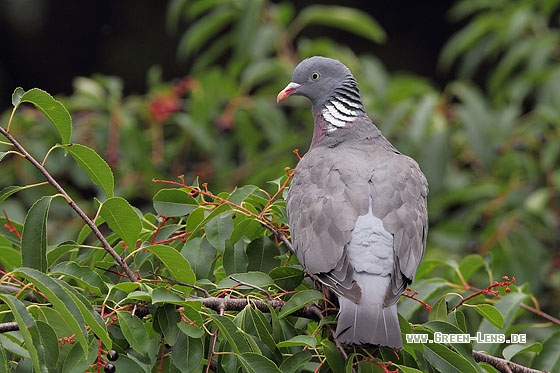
368	323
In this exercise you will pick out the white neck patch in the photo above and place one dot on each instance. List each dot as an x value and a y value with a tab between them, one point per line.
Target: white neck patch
339	114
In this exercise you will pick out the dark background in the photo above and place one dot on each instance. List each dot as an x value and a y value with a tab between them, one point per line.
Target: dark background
46	43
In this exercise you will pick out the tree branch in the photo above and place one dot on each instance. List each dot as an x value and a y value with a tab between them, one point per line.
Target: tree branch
504	366
72	204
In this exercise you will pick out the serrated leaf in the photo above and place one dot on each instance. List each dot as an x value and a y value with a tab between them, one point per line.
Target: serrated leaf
122	219
60	300
29	331
51	108
98	170
174	202
298	301
34	235
345	18
175	263
491	314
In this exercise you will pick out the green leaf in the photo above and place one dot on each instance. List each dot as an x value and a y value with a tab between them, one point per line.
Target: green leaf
194	327
299	340
174	202
296	362
164	295
134	331
298	301
345	18
218	230
262	254
34	235
91	317
231	333
240	194
29	331
49	341
187	353
246	227
60	300
259	279
175	263
166	319
491	314
445	360
16	96
512	350
549	358
84	275
235	259
469	265
257	363
51	108
254	322
333	355
508	307
98	170
10	258
122	219
439	310
200	254
9	190
287	278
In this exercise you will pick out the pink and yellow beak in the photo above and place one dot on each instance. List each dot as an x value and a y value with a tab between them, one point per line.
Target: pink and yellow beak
287	92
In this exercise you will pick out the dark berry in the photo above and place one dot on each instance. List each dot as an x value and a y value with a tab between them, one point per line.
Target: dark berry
112	355
109	368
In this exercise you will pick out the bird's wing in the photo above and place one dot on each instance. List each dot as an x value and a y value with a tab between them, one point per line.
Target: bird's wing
333	186
399	198
323	206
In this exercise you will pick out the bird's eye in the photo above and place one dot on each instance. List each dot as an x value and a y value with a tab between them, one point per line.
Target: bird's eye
315	75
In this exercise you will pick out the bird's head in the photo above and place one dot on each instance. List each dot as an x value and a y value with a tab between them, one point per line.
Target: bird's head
316	78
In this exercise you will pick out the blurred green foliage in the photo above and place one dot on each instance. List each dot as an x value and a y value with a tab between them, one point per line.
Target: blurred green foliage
488	142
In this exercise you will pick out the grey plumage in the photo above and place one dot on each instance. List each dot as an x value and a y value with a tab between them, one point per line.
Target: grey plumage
356	207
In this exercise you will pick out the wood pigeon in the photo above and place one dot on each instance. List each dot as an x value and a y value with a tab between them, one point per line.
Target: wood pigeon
356	207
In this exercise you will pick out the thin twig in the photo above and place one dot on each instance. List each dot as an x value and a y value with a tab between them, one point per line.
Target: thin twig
72	204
